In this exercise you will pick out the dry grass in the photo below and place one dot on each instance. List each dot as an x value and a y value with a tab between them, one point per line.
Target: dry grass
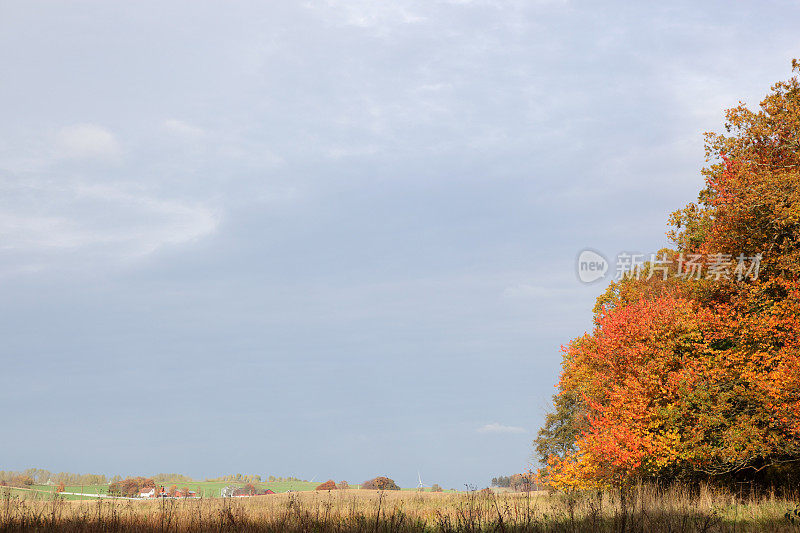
647	509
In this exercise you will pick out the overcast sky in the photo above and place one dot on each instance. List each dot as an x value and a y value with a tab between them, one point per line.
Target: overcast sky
333	239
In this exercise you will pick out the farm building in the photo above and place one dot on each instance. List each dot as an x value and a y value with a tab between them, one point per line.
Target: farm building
243	492
164	493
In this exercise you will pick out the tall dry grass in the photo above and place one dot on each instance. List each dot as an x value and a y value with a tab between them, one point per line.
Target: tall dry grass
646	508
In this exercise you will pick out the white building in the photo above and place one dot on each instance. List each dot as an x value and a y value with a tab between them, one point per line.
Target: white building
147	493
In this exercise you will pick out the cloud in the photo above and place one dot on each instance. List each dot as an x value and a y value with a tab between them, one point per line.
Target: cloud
529	291
183	129
496	427
87	141
339	152
368	14
505	5
555	291
44	222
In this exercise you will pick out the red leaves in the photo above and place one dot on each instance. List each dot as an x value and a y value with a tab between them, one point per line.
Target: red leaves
629	371
704	374
669	381
328	485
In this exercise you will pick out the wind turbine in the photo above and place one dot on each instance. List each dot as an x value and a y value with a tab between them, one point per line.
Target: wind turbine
420	485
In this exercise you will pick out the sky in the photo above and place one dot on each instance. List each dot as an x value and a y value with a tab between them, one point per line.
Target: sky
333	239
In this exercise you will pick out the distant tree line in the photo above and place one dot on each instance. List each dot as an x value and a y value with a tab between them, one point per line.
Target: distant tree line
501	481
164	479
15	479
279	478
39	476
516	482
238	478
254	478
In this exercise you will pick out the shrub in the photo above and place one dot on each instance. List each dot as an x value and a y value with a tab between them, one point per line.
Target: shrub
380	483
328	485
344	485
21	480
522	483
130	487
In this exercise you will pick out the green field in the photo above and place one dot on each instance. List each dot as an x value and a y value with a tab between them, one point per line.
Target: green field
211	489
38	492
206	489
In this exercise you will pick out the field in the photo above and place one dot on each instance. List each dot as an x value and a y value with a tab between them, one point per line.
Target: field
211	489
207	489
648	509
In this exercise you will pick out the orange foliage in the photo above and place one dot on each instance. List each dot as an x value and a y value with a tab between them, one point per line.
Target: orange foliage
703	376
328	485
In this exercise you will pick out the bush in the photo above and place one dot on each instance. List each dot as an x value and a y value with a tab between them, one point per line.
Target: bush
344	485
130	487
380	483
21	480
328	485
522	483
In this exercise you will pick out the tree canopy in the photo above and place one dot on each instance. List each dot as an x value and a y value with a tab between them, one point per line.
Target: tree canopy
380	483
699	376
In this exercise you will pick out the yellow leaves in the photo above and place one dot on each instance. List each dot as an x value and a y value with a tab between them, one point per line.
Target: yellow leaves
668	381
576	471
706	373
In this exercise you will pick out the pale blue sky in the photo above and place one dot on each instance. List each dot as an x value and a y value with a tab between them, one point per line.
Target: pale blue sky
333	239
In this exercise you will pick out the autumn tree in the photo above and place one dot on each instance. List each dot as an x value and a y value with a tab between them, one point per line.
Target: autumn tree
131	486
380	483
328	485
689	377
21	480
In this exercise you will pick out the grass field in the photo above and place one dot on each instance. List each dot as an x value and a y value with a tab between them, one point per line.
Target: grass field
648	509
207	489
211	489
46	492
